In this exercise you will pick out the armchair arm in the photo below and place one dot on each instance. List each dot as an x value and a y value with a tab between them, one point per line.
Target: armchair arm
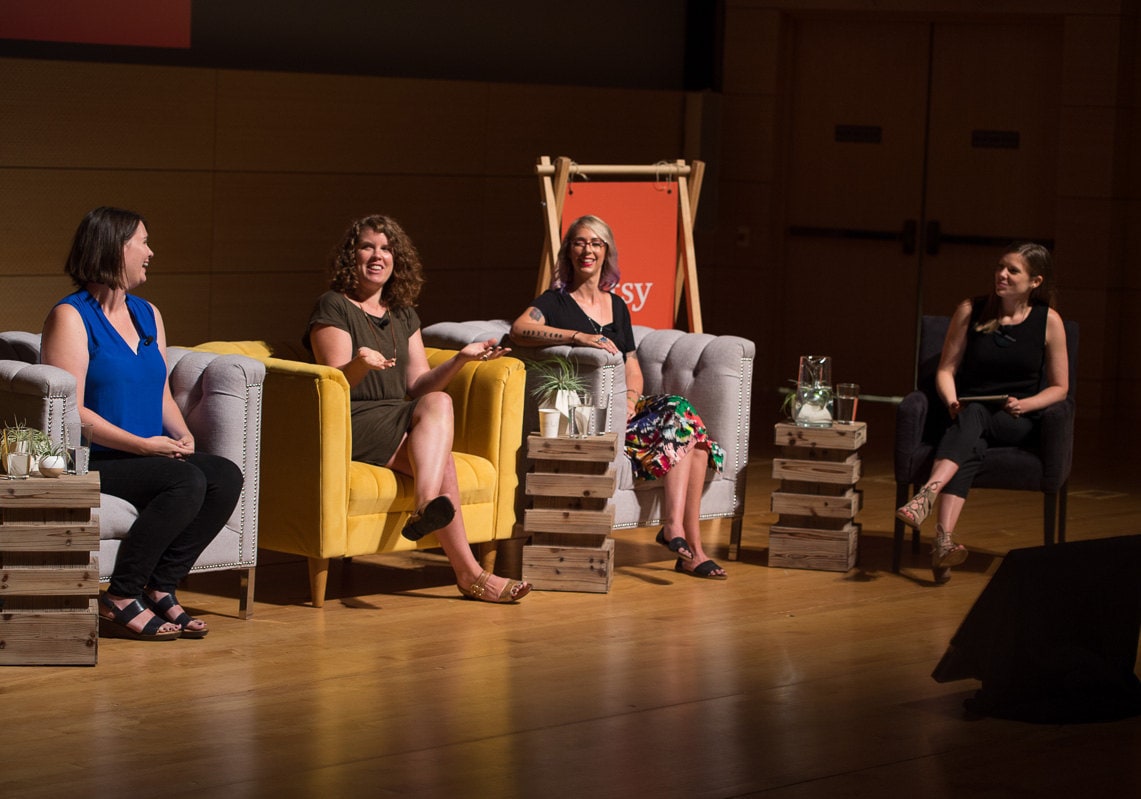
307	447
220	397
715	373
36	394
1056	442
487	399
910	421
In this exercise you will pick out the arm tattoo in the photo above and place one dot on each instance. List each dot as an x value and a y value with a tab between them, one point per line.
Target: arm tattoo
536	314
540	334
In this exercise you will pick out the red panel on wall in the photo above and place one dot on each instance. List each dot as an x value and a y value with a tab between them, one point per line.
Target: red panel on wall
643	216
140	23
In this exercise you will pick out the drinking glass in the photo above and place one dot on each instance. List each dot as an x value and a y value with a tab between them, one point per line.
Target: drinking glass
581	413
18	465
847	398
77	441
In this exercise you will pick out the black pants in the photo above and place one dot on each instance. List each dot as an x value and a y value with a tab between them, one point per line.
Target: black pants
977	426
182	505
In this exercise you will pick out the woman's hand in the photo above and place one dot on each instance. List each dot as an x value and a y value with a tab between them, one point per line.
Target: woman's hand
1013	406
599	341
168	447
483	351
954	409
375	359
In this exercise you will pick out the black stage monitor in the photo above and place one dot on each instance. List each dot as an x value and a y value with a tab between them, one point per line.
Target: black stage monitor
1053	637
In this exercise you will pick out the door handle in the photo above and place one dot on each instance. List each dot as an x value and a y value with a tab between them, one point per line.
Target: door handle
935	238
906	235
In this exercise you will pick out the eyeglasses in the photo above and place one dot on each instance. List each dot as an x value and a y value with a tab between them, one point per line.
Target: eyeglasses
594	244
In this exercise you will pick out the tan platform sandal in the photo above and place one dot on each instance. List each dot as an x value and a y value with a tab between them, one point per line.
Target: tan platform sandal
513	590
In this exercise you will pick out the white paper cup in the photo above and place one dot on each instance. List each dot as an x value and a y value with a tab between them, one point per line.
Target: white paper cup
549	419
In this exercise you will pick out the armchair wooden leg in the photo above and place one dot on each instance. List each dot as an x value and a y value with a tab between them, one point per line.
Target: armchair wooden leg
901	496
246	593
1063	496
735	537
318	580
1049	516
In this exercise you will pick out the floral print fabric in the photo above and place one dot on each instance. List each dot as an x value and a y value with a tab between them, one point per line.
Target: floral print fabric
663	429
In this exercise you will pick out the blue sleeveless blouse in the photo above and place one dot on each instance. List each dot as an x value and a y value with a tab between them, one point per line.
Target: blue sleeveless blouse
123	386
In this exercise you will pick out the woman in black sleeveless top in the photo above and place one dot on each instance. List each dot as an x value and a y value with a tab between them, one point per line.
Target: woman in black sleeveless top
1004	359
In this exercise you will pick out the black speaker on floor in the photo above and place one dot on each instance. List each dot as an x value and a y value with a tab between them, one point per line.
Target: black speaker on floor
1053	637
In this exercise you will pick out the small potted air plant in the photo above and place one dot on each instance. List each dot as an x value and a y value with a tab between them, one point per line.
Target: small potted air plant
17	449
557	386
52	456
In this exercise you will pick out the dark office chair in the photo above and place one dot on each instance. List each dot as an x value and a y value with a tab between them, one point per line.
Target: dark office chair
1043	466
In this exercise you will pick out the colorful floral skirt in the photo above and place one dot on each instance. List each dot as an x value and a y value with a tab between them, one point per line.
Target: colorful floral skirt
663	429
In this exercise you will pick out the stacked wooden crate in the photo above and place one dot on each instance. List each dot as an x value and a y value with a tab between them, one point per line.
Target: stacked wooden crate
570	518
817	501
49	571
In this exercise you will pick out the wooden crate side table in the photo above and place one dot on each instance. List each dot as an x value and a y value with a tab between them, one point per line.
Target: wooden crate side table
817	501
49	571
570	519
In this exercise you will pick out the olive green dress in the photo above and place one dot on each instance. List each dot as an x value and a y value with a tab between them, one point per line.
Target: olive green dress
381	410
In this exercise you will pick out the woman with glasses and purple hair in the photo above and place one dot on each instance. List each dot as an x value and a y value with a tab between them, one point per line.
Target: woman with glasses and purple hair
665	437
1004	360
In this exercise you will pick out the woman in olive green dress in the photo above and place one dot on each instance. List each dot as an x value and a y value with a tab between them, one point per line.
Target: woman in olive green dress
402	418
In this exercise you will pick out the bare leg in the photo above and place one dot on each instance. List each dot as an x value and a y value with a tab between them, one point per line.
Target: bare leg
682	487
426	455
917	508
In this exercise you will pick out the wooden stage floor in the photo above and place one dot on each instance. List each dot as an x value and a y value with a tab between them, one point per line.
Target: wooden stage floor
778	683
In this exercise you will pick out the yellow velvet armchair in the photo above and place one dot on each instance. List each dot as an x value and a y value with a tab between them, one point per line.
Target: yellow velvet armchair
318	503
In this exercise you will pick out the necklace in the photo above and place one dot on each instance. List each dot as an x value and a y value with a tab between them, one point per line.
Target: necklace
597	327
379	323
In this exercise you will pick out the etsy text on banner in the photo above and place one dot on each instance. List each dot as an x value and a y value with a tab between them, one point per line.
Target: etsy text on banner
643	216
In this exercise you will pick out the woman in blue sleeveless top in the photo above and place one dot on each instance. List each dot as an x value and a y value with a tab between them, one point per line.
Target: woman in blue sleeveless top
1010	348
115	345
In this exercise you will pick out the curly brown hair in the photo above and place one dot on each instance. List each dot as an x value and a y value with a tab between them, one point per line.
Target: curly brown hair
403	288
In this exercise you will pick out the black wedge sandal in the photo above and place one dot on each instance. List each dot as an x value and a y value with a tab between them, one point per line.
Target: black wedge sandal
115	626
430	518
162	608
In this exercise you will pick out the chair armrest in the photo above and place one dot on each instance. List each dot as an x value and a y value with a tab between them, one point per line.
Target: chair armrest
220	397
488	402
910	421
306	452
715	373
37	395
1056	443
20	345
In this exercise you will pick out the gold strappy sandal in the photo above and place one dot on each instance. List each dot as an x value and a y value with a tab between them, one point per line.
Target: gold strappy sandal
513	590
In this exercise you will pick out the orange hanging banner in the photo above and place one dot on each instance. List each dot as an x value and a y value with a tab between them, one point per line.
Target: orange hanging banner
643	217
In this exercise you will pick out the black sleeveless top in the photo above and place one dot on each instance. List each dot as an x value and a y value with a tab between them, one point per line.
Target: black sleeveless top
1011	360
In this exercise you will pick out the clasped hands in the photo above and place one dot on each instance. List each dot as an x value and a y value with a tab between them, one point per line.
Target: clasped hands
168	447
1013	406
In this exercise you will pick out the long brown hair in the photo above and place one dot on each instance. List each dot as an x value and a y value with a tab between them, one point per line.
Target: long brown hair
1040	264
403	288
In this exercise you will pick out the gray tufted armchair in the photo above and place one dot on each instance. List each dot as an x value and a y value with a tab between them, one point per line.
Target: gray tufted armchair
713	372
220	396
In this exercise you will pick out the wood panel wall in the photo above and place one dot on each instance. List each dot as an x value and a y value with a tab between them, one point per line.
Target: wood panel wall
1098	207
247	179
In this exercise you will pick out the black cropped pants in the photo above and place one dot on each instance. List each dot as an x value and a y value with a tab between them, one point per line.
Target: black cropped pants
182	504
977	427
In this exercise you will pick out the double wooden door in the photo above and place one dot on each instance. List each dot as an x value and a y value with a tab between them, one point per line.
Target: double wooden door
918	150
